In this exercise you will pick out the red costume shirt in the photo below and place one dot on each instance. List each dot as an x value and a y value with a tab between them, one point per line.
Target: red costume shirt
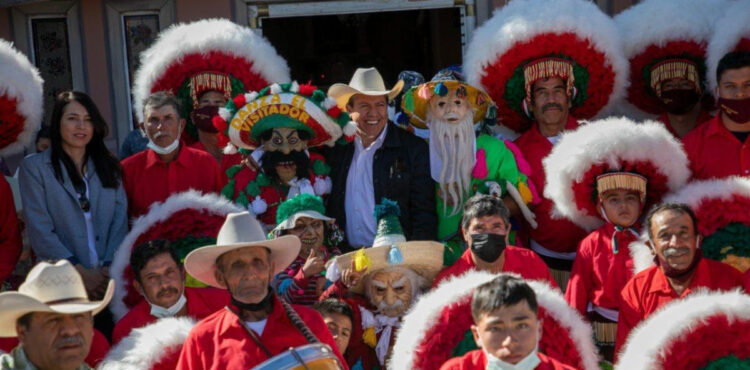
477	360
221	342
147	179
703	117
714	151
10	232
747	281
557	235
648	290
201	302
599	274
522	261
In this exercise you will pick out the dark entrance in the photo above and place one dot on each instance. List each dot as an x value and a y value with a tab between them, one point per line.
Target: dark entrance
327	49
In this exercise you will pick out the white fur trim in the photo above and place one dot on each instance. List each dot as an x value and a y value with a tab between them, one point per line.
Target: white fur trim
350	129
329	103
427	310
145	346
229	149
275	89
19	79
696	192
225	113
159	212
323	185
612	141
657	22
641	254
730	29
521	20
676	320
203	36
295	87
258	206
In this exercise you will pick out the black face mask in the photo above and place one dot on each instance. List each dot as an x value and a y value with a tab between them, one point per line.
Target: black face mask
264	304
488	247
679	101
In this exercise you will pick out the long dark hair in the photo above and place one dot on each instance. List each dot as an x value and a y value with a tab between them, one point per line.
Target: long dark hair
107	165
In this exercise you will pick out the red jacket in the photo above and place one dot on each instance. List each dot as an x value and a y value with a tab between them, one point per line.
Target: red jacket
477	360
648	290
703	117
221	342
558	235
10	232
201	302
714	151
522	261
598	274
97	351
147	179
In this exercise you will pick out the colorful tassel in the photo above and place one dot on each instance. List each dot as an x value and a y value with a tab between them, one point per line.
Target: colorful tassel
368	336
394	256
440	89
480	170
525	192
361	260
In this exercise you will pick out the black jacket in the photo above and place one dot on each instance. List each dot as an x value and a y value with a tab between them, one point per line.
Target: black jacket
401	172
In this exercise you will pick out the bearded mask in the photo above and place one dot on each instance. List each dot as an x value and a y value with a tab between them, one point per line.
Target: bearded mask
284	156
391	291
452	107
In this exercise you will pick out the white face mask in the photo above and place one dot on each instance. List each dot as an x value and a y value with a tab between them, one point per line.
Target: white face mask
161	312
529	362
164	150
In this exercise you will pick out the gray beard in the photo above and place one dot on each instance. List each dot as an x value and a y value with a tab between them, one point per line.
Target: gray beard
456	149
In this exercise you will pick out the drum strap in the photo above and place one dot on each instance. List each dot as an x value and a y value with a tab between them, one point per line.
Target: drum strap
252	333
298	323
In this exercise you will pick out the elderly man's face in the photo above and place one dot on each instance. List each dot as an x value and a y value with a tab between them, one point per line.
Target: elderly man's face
163	125
391	292
161	281
370	113
674	239
509	333
245	272
550	104
57	341
451	108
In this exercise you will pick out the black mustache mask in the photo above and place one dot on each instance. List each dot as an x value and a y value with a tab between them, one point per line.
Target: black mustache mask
269	160
488	247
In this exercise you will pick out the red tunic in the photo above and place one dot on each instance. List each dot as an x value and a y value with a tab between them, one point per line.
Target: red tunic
10	232
558	235
649	290
97	351
477	360
598	274
221	342
201	302
747	280
147	179
703	117
522	261
714	151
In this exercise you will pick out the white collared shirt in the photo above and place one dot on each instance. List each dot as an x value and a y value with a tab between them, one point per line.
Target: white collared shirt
360	193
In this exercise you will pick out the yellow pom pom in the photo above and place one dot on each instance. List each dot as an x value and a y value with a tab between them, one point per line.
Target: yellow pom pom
361	260
369	337
525	192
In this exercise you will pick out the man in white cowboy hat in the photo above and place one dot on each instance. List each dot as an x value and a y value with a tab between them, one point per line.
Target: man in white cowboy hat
53	318
384	161
258	325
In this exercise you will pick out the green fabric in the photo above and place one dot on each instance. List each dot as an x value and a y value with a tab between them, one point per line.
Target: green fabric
730	362
299	203
465	345
320	168
501	166
736	235
276	121
454	248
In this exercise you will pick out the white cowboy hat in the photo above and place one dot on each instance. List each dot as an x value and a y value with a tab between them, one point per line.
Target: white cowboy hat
240	230
365	81
49	287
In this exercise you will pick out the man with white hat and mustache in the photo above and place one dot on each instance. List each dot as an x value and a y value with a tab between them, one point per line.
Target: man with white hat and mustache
257	325
53	318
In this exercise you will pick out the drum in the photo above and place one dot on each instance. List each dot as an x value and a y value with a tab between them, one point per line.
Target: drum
315	356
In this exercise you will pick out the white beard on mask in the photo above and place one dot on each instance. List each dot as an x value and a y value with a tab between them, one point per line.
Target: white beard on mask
452	158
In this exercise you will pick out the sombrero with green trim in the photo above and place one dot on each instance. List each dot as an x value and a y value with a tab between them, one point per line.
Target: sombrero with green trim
303	107
529	40
722	210
664	39
211	54
705	330
189	220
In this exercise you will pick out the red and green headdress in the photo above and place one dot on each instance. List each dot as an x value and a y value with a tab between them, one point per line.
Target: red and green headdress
246	117
732	33
21	103
610	154
189	220
722	210
664	39
706	330
211	54
438	326
529	40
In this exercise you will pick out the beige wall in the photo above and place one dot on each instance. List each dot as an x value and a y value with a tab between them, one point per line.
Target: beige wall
192	10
